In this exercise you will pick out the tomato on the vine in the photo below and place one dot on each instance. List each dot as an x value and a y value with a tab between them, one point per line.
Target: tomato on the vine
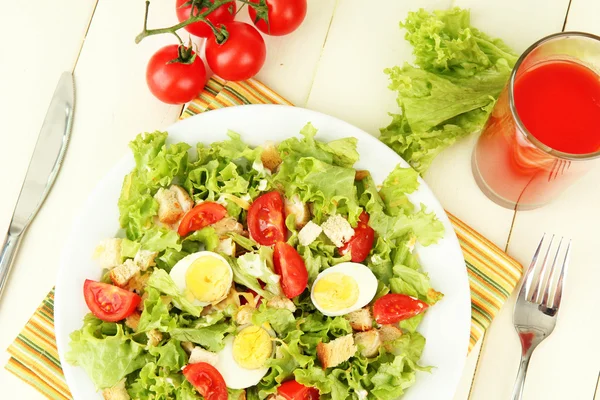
175	75
237	56
221	15
284	16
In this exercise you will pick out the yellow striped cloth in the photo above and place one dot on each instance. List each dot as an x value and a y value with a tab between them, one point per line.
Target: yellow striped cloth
492	274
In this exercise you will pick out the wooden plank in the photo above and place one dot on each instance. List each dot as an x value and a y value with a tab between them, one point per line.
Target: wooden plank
573	215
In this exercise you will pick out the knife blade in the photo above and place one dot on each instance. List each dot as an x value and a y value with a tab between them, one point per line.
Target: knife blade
43	168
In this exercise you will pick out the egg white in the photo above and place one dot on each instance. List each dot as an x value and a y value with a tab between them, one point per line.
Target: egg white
180	269
236	377
365	279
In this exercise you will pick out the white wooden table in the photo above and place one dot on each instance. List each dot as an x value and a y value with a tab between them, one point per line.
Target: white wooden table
333	64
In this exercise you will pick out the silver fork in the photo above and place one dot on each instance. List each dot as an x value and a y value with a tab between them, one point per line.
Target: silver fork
537	305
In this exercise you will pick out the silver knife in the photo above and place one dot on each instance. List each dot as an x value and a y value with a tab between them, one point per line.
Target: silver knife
44	165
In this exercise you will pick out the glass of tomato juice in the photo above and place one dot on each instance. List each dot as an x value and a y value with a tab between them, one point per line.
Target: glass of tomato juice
544	130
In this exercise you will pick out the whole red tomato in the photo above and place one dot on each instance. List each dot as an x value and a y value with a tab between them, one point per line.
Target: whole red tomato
240	55
173	81
285	16
221	15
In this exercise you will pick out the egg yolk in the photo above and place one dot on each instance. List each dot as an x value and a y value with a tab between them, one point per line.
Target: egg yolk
336	291
208	279
252	347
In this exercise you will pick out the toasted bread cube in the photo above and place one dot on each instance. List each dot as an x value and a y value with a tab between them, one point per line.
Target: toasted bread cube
173	203
137	283
244	314
368	342
389	333
123	273
360	320
270	157
281	302
145	259
309	233
133	320
108	253
200	355
336	352
117	392
338	230
154	337
298	209
226	225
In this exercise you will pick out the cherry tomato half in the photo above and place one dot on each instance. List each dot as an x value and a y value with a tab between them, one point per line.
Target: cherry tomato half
108	302
207	380
361	243
290	266
221	15
394	307
204	214
285	16
265	219
292	390
174	82
240	56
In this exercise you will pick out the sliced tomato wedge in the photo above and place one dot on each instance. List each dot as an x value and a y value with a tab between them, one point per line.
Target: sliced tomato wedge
360	244
204	214
290	266
265	219
292	390
394	307
207	380
108	302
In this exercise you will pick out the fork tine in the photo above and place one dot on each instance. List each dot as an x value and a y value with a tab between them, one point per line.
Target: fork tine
537	288
561	278
550	280
526	286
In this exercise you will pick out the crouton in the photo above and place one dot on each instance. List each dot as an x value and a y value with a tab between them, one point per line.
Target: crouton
361	174
298	209
137	283
108	253
145	259
233	297
270	157
117	392
243	316
281	302
226	225
368	342
338	230
309	233
201	355
336	352
133	320
123	273
188	347
242	395
154	337
226	246
173	203
275	396
360	320
140	306
387	334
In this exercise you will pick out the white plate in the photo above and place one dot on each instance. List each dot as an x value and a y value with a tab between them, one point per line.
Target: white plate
446	326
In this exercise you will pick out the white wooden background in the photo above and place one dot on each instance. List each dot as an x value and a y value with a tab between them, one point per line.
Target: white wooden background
333	64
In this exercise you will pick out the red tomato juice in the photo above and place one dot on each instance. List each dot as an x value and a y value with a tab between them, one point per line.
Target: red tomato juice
558	102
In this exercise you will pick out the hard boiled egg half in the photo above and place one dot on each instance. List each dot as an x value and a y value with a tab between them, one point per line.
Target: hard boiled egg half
242	362
343	288
204	277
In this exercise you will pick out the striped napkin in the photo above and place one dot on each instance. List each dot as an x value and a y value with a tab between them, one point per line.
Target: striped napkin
492	274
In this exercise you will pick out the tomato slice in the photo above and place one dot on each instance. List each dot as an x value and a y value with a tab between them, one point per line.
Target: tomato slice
361	243
108	302
204	214
290	265
394	307
265	219
292	390
207	380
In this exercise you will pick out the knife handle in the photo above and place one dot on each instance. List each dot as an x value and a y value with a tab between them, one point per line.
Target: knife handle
7	255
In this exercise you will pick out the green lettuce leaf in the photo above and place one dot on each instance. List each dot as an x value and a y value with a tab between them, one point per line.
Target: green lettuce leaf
280	319
259	266
427	228
161	281
211	337
395	187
